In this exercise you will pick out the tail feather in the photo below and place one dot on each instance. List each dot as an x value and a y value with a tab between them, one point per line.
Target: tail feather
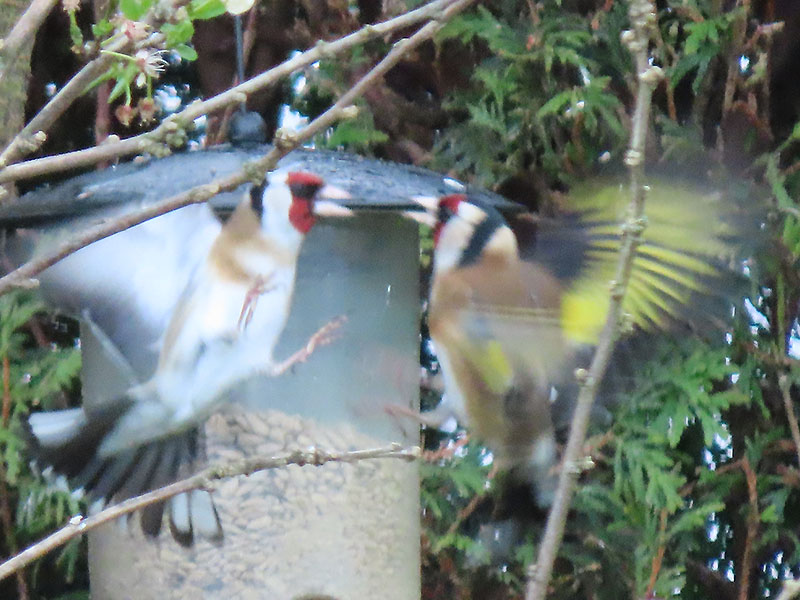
70	440
180	520
205	519
151	519
192	513
115	471
149	468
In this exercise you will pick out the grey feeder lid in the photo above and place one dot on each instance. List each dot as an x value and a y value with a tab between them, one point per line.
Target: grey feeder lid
374	184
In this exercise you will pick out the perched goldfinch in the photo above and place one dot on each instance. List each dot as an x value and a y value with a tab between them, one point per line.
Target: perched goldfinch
223	329
510	325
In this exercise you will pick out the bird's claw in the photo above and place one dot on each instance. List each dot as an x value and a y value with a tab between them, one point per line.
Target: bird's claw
324	336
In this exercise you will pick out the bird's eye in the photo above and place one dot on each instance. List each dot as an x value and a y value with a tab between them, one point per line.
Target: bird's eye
306	191
448	206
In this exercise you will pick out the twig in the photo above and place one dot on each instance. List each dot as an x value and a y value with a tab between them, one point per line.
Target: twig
285	142
752	530
23	31
34	133
6	410
471	506
785	385
642	17
658	558
5	504
234	96
79	525
732	77
20	277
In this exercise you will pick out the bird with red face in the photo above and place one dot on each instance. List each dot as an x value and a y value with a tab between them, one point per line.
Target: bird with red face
510	325
223	330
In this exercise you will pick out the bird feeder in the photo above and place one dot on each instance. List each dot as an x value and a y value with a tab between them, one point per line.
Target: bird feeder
340	531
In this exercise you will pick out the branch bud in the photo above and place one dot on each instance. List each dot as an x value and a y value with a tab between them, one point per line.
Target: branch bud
350	112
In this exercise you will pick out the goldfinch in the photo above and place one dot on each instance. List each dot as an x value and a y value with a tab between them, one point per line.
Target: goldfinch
223	329
510	325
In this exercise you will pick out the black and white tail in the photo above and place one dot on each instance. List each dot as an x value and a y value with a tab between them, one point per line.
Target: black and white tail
69	441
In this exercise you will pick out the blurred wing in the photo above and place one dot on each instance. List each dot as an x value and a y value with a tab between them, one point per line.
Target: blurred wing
686	270
139	273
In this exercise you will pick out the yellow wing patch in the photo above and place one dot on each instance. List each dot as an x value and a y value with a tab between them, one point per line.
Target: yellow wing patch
491	362
686	247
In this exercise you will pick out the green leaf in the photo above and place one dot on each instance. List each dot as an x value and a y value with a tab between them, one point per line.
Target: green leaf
186	52
556	104
355	133
206	9
178	33
102	28
124	81
135	9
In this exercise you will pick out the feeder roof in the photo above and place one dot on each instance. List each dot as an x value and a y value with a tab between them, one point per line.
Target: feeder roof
373	184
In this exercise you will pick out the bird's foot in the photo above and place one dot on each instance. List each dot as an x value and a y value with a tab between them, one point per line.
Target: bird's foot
258	288
324	336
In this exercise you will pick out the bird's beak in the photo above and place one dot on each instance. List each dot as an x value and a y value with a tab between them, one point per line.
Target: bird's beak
326	208
327	201
427	216
331	192
429	203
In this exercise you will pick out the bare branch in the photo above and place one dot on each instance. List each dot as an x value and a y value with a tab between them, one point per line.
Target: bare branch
23	31
78	525
785	385
234	96
642	17
6	517
753	520
34	133
284	143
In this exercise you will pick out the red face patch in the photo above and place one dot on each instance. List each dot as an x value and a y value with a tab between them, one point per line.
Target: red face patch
301	180
303	187
448	206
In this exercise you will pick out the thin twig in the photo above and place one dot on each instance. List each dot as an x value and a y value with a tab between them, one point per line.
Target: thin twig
785	385
33	134
642	17
79	525
752	530
285	142
658	557
732	77
471	506
234	96
21	277
5	503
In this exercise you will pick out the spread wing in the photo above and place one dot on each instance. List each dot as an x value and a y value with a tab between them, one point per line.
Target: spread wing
687	269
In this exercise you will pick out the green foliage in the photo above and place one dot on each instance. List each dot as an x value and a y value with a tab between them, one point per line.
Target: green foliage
539	98
700	47
129	72
135	9
35	377
356	134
